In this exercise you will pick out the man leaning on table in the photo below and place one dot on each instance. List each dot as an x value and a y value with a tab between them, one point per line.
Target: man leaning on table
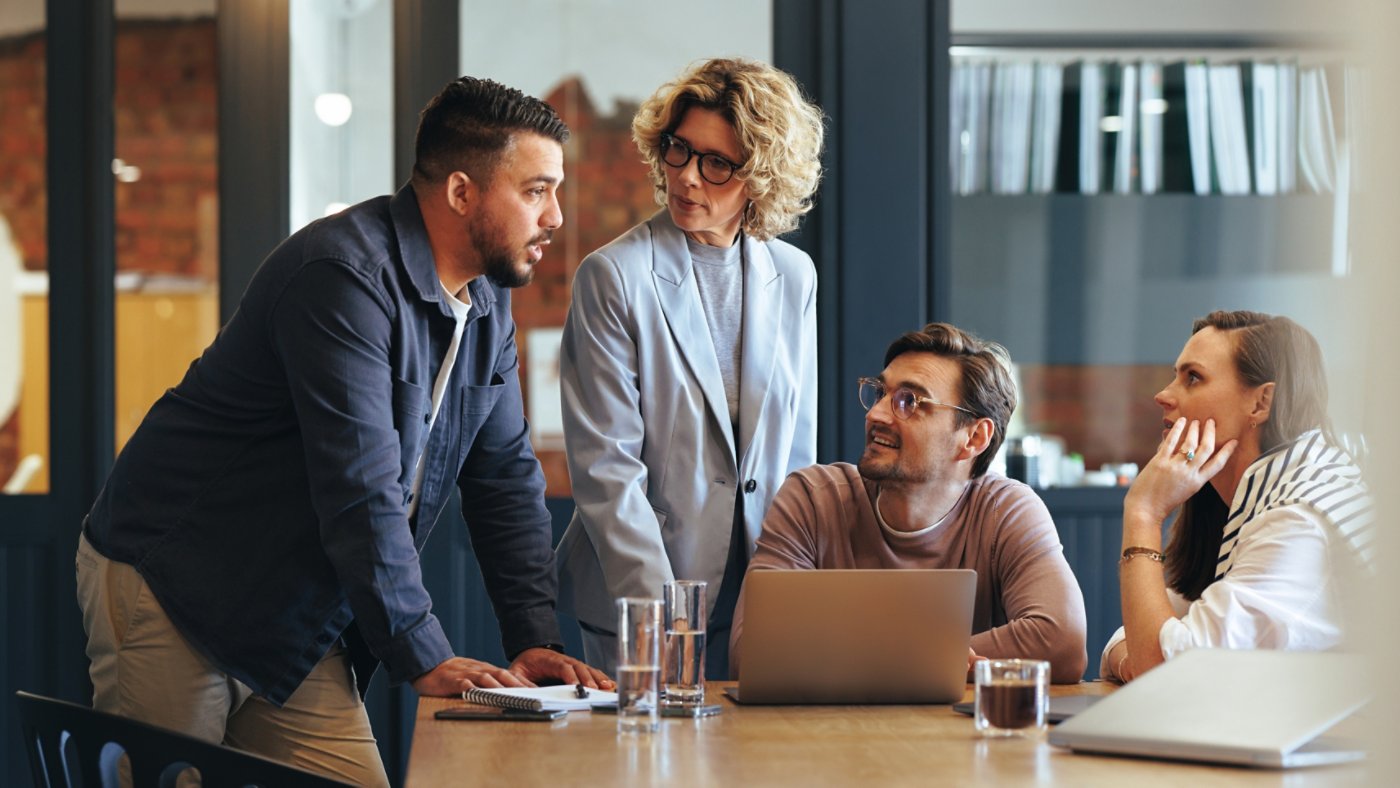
255	553
921	498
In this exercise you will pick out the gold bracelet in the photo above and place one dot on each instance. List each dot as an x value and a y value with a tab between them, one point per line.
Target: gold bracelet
1121	662
1133	552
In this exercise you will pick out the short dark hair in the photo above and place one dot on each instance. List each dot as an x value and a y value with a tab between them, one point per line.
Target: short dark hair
471	122
987	387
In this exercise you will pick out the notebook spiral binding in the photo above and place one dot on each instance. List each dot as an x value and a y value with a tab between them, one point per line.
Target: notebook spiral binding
486	697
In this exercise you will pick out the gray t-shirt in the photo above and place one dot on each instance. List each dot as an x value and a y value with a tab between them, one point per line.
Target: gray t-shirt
719	273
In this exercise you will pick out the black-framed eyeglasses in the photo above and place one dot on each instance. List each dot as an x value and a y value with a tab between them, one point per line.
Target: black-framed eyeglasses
903	401
714	168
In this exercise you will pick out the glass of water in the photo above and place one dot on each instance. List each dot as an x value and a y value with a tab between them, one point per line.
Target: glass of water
684	681
639	634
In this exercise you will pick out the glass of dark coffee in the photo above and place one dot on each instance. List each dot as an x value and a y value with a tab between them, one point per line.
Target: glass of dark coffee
1012	696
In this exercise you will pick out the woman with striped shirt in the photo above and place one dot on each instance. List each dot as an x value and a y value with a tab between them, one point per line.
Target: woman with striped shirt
1273	512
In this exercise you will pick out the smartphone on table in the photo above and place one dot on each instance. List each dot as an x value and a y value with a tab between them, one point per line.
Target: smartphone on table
503	715
708	710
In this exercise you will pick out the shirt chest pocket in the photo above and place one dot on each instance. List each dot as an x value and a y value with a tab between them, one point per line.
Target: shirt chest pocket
478	402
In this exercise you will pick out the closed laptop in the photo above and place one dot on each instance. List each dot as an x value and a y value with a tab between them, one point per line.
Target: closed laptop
856	636
1250	708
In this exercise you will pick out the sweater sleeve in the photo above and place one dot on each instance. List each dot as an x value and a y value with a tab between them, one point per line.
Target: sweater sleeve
1043	604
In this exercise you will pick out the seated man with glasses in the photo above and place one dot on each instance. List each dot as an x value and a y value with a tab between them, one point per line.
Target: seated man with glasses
921	498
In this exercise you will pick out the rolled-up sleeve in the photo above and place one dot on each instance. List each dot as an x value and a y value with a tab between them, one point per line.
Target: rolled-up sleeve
332	329
1277	594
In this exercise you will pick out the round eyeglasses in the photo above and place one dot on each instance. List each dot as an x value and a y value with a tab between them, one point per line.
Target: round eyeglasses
714	168
903	401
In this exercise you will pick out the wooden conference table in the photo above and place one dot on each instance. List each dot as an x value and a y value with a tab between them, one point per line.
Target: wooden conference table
787	745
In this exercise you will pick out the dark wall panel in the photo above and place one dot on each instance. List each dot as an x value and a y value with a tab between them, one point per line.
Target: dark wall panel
879	70
254	140
883	252
1090	522
23	628
425	59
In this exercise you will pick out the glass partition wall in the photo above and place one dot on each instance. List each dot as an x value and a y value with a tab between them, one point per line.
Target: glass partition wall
166	193
165	95
342	102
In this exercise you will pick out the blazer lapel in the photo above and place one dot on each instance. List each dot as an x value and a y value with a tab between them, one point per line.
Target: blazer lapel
680	302
763	319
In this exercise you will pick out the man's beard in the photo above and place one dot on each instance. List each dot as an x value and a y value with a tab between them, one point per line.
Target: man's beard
881	471
901	468
875	470
505	271
502	265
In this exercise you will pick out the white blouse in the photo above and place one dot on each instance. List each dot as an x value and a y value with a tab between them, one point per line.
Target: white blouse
1299	528
1282	592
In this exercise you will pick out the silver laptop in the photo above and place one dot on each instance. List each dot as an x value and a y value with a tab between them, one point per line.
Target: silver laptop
1250	708
856	636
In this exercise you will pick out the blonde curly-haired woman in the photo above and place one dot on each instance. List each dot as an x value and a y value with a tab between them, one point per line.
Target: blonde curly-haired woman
689	360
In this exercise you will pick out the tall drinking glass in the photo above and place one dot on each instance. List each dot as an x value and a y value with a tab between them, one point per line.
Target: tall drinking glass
684	680
639	633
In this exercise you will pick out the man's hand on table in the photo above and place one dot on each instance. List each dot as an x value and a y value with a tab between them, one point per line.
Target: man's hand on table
459	674
534	665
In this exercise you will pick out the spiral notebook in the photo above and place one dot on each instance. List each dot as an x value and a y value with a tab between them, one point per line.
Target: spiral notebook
557	698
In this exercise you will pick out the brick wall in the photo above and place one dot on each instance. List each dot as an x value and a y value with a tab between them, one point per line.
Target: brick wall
1104	412
605	192
166	113
167	121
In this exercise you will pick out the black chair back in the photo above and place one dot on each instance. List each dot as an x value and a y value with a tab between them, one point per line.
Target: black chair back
71	745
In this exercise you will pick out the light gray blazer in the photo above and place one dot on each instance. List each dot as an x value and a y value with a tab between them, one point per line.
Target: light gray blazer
651	449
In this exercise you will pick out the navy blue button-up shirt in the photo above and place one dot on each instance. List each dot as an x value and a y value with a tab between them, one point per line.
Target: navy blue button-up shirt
264	499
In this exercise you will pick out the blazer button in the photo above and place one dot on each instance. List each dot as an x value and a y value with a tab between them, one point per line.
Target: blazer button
750	486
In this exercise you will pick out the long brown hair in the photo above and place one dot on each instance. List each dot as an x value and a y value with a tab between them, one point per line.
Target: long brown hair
1267	349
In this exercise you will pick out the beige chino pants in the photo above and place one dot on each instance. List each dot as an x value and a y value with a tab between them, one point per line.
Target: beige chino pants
142	668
